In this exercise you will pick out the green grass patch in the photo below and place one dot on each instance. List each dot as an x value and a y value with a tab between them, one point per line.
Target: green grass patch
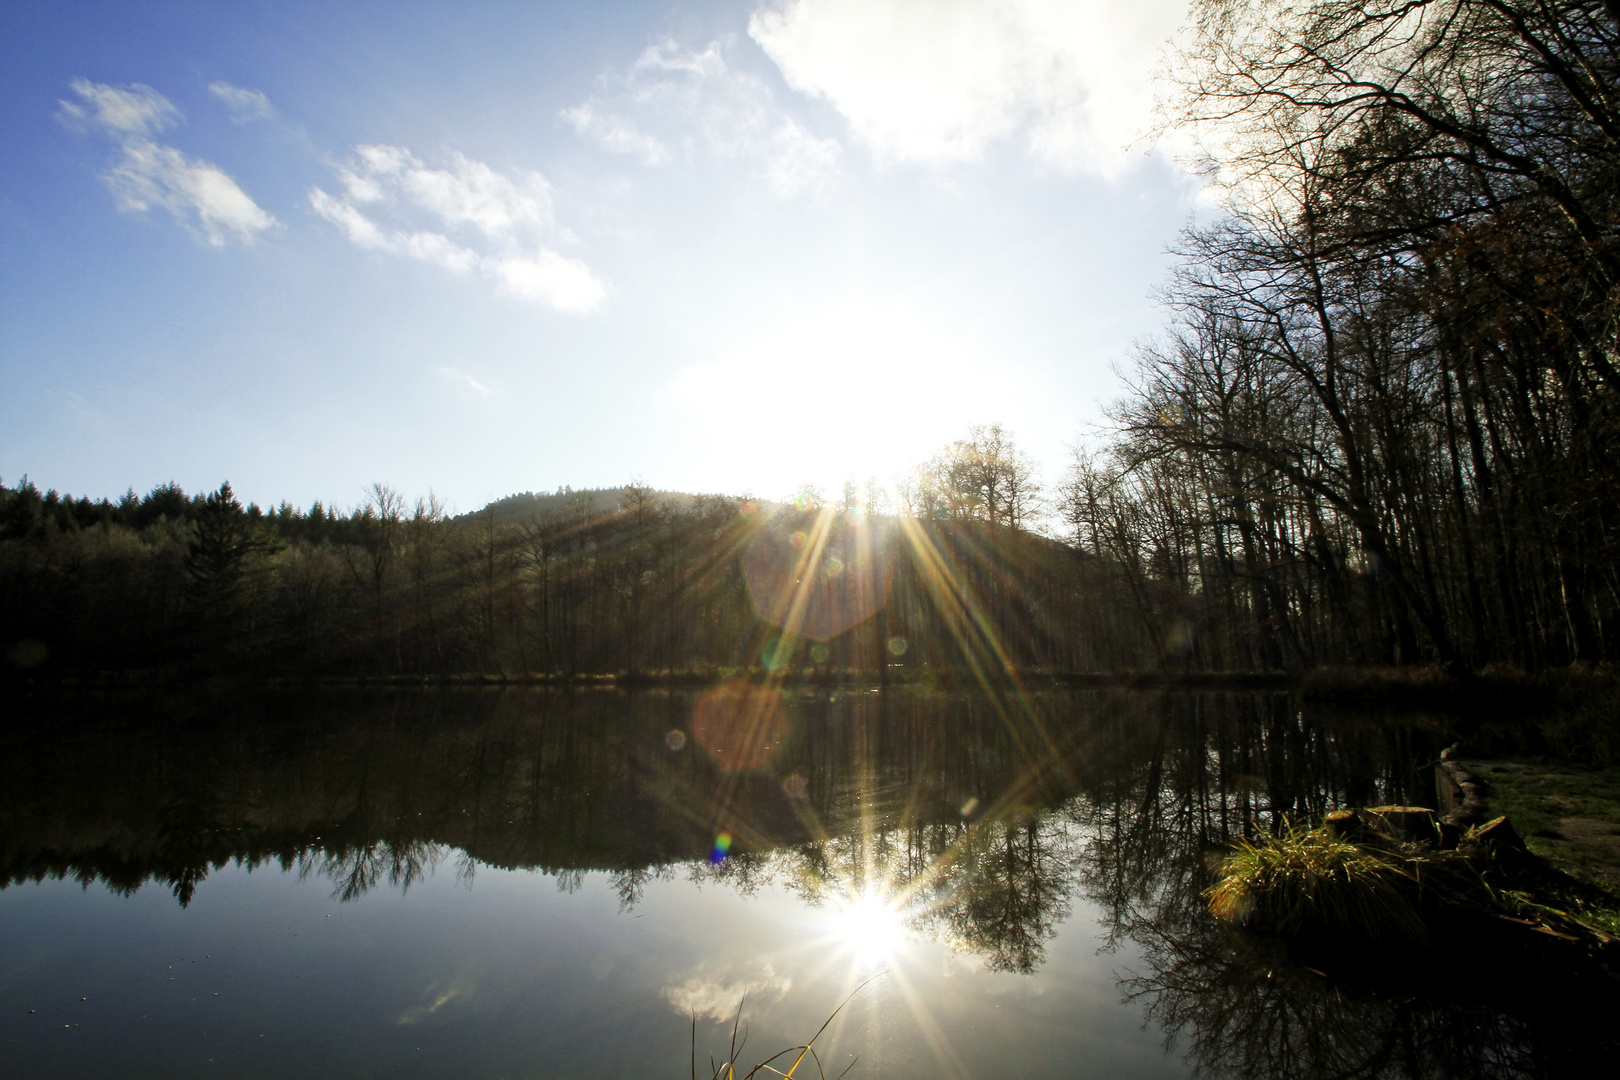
1568	814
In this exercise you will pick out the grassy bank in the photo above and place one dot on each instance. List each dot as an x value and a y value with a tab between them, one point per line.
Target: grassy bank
1371	889
1569	814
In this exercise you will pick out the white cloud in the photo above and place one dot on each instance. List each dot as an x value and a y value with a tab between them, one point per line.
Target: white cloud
509	217
566	284
705	995
695	99
120	110
797	160
360	230
245	105
938	80
440	250
467	193
146	173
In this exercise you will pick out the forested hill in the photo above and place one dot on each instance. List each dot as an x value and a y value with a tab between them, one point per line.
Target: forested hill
514	508
651	582
26	511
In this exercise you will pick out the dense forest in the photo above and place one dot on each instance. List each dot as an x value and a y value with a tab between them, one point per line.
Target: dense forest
1381	427
631	581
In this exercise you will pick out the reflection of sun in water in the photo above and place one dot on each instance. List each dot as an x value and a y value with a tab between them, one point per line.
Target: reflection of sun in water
869	925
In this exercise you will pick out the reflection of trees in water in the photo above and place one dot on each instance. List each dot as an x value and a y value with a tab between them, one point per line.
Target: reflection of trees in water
1147	788
955	803
355	871
1149	793
1004	892
997	888
1203	772
581	781
195	831
1245	1011
744	873
631	885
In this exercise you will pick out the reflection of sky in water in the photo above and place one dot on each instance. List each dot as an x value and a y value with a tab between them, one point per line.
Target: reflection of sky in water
265	974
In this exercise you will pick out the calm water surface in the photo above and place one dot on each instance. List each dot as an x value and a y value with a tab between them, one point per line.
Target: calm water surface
553	883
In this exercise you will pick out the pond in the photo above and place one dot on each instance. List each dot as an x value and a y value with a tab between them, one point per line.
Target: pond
518	882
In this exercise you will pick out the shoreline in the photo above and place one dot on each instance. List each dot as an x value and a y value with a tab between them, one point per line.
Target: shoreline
865	680
1426	686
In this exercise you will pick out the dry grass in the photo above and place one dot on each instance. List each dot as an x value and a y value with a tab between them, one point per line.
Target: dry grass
1315	885
727	1069
1318	887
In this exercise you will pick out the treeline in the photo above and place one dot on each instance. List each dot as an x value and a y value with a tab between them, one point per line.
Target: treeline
636	582
1382	426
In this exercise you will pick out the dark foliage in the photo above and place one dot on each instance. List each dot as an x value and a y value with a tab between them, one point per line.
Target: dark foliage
572	584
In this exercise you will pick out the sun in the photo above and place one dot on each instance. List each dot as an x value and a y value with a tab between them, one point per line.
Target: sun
869	925
857	388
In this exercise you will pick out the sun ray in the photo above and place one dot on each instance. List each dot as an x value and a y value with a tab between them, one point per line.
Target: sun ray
976	638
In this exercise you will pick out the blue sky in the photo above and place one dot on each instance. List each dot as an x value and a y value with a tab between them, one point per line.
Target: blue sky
487	248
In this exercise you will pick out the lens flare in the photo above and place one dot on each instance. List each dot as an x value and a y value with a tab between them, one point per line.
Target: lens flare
740	724
775	654
816	580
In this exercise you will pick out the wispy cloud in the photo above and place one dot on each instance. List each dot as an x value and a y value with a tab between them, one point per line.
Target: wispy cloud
433	999
146	173
466	381
150	174
717	998
938	80
244	105
391	201
678	100
133	110
595	120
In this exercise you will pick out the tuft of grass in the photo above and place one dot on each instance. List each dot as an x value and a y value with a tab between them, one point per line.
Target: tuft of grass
1323	888
727	1069
1313	885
